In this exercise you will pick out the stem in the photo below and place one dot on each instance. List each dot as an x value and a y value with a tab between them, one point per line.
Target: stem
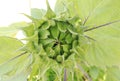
106	24
65	75
85	73
60	79
86	19
72	76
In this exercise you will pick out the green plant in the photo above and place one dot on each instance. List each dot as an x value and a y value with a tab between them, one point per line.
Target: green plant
79	41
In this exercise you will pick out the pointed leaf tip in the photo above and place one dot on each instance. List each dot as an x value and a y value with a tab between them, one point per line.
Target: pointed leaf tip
49	13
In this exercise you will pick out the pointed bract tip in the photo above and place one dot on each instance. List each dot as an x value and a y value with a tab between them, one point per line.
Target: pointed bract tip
48	5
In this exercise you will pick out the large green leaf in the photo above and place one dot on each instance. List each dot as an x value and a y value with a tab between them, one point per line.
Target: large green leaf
8	46
13	59
22	76
112	74
8	31
12	29
105	50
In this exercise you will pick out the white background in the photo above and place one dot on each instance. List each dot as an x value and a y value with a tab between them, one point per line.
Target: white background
10	9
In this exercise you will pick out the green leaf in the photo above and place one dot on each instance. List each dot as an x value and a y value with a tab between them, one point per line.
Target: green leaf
59	58
96	73
75	21
37	13
41	50
66	48
12	29
35	68
50	74
49	14
19	77
8	49
13	57
74	44
50	52
37	22
46	41
8	31
54	32
62	26
45	25
62	36
43	34
112	74
28	30
57	49
72	30
104	51
69	38
19	25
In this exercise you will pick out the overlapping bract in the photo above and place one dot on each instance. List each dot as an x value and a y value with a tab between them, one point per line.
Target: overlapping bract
58	40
